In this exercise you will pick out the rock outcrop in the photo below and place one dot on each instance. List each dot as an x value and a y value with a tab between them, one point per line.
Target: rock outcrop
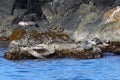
29	44
80	19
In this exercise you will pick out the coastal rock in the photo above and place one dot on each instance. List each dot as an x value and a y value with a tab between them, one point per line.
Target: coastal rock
7	27
51	44
105	26
17	56
80	54
71	16
13	11
81	21
113	47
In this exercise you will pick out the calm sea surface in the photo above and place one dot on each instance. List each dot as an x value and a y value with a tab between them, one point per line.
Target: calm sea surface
107	68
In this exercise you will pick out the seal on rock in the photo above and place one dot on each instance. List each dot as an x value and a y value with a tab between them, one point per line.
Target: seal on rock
87	45
39	51
95	41
27	23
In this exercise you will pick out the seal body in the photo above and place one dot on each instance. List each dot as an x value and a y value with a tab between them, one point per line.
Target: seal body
95	41
39	51
87	46
27	23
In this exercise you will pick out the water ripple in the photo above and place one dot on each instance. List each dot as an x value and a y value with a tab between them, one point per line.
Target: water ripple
106	68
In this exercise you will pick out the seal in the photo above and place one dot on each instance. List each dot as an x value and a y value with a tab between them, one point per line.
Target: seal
87	46
39	51
27	23
95	41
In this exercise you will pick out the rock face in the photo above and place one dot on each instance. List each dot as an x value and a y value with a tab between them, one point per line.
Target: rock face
80	19
13	11
69	15
112	15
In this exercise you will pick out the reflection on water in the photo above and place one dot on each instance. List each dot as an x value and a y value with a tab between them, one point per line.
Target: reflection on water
107	68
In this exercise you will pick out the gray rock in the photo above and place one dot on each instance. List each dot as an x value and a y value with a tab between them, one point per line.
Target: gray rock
96	50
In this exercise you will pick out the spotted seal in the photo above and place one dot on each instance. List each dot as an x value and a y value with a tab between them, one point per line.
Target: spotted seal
27	23
39	51
87	45
95	41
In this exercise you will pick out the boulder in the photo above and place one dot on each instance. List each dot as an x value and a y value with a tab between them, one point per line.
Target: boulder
29	44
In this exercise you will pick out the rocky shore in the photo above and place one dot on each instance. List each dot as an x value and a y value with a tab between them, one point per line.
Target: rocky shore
52	44
83	29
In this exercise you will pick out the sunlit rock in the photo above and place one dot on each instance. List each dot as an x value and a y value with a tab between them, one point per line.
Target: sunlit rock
112	15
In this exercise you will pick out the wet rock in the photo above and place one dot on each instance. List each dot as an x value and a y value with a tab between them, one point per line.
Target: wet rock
46	53
114	47
80	54
17	56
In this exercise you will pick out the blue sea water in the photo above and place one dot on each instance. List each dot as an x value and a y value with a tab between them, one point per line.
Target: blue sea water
107	68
